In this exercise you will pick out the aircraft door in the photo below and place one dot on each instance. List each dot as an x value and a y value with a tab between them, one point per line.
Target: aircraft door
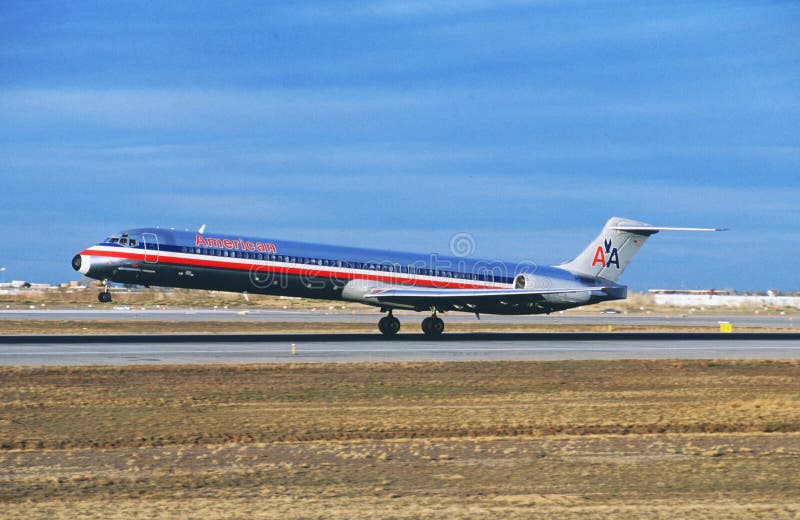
150	241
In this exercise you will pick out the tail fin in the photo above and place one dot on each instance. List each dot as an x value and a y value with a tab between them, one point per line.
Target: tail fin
610	253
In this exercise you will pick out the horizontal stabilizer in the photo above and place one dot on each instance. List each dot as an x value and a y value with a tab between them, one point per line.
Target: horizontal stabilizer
656	229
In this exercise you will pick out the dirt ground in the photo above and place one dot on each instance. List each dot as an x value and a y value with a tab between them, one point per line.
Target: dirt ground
569	439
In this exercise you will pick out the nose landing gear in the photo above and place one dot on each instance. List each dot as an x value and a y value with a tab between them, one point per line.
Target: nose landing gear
389	325
105	296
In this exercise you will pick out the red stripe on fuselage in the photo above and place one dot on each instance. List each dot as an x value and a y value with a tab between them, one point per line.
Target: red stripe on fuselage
162	258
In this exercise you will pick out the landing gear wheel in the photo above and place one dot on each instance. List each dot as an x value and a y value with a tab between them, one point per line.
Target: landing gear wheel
432	326
389	325
104	297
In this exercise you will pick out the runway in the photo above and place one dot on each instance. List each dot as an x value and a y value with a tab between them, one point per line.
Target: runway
271	348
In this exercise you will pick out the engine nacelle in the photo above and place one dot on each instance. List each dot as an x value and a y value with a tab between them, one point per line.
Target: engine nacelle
531	281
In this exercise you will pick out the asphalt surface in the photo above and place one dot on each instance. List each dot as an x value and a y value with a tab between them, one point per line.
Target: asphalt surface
241	348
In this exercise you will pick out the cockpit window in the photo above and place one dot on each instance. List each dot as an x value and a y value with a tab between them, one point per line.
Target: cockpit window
123	241
113	240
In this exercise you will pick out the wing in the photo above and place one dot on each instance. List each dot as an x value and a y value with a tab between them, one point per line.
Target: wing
469	299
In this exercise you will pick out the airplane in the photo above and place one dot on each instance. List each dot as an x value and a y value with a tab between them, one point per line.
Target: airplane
386	279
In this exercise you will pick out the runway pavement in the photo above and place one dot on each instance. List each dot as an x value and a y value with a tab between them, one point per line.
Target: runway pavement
241	348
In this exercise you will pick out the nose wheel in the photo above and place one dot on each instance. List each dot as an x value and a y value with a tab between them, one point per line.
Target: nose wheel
389	325
105	296
433	326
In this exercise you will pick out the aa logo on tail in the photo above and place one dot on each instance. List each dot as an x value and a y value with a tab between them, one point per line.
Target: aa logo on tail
606	249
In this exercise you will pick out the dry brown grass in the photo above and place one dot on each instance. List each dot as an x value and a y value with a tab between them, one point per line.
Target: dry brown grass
576	439
74	407
157	297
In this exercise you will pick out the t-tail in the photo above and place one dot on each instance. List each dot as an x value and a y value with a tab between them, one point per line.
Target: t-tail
610	253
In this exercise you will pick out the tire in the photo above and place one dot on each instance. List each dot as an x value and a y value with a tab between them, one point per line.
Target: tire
382	325
392	326
104	297
389	325
432	326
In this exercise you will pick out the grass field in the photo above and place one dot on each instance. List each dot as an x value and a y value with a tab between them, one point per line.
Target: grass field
580	439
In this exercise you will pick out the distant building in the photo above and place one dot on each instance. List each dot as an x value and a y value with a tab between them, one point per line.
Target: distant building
721	298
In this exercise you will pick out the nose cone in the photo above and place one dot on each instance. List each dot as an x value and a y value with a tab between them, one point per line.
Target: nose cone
81	263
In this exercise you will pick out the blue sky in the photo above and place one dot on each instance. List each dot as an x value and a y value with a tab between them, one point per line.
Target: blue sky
398	124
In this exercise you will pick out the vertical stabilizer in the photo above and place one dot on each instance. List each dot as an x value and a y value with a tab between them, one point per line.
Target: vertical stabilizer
609	254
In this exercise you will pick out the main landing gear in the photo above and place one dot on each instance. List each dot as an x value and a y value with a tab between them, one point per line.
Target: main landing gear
105	296
433	325
389	325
